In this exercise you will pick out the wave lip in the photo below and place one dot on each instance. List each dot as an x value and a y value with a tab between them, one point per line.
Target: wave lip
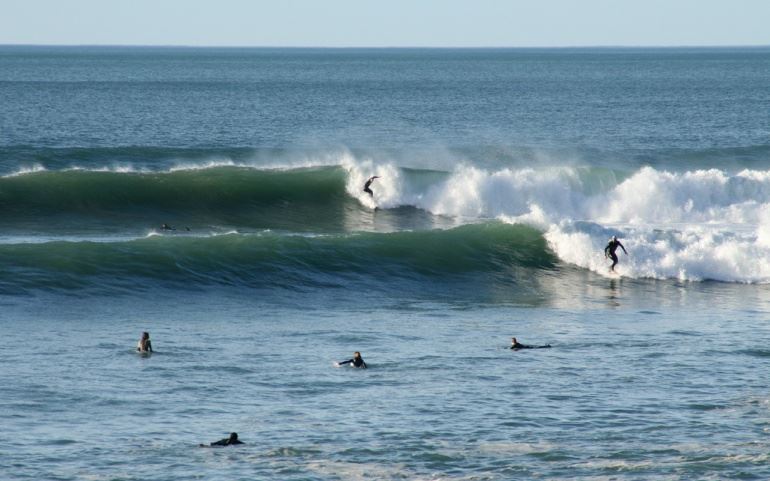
93	194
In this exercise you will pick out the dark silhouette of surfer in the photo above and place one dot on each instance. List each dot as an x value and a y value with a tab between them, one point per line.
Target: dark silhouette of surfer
609	251
368	183
168	227
357	361
144	344
516	345
230	441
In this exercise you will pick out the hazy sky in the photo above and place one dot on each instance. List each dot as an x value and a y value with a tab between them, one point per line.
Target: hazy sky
381	23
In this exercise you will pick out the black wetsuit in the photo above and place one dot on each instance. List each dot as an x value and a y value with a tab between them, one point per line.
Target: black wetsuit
356	362
519	345
609	251
225	442
366	187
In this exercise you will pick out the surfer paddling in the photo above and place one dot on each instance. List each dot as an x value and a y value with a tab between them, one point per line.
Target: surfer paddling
357	361
229	441
368	183
516	345
609	251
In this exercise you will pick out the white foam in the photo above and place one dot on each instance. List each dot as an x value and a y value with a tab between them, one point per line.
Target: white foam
689	226
323	160
388	188
27	170
695	225
117	168
209	164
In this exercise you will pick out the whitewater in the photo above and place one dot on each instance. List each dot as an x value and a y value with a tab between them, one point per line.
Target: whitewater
707	224
503	173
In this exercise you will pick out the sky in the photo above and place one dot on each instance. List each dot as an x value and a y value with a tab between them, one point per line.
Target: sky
386	23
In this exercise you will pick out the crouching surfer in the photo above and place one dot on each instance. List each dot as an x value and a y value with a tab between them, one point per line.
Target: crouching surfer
368	183
609	251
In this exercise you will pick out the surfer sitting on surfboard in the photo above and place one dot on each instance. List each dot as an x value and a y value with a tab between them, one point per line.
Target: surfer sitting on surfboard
368	183
609	251
516	345
144	344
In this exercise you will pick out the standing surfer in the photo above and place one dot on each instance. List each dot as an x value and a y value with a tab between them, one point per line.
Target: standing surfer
609	251
368	183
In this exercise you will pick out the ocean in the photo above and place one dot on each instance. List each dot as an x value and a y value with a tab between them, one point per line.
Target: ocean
502	174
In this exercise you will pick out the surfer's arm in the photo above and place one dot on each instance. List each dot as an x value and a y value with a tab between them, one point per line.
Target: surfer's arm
624	249
342	363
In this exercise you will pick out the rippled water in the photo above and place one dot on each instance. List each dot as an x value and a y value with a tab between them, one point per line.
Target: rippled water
631	389
502	175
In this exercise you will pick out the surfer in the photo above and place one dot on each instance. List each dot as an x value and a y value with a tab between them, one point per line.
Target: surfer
609	251
230	441
516	345
144	344
357	361
166	227
368	183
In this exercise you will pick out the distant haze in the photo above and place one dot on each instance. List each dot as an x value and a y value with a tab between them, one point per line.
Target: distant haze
395	23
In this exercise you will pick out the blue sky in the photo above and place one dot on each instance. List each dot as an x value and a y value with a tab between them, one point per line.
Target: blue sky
386	23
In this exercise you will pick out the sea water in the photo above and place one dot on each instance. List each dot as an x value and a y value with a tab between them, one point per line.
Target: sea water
503	173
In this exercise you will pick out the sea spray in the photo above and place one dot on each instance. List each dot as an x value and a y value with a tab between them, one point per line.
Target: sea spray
691	225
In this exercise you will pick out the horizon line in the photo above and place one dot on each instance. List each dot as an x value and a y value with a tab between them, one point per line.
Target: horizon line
374	47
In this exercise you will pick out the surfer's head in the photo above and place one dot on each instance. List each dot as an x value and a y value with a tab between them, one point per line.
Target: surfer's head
233	437
145	336
614	238
513	340
356	355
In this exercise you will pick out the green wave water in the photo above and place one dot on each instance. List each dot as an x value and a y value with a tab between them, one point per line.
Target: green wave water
270	259
652	374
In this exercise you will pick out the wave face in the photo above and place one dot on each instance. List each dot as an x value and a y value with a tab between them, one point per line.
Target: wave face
268	259
219	195
706	224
